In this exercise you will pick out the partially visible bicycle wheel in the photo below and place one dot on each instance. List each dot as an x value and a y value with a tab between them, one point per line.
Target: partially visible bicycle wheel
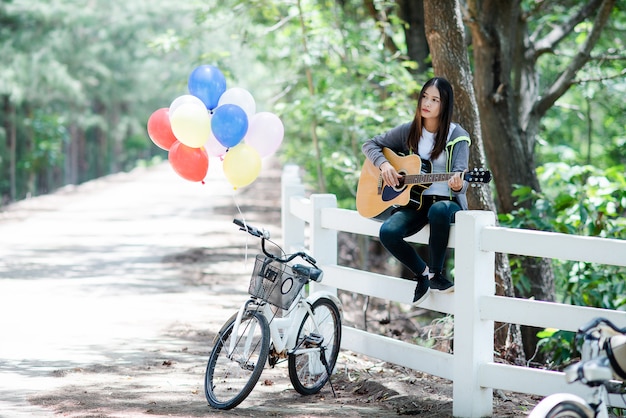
308	370
237	360
562	405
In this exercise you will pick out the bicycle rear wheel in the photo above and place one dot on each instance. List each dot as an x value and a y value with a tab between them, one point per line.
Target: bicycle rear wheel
231	375
314	358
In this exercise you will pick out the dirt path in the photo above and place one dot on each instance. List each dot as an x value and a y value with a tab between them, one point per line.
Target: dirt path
111	292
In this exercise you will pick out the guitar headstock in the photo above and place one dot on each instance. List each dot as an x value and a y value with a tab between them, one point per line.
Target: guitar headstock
477	175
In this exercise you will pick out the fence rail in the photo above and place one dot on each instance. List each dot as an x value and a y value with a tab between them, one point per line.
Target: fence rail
314	223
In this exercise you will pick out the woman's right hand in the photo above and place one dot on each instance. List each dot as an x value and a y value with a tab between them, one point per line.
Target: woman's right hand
389	174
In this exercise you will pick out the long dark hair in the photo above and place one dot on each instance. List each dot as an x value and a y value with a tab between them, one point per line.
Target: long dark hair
445	117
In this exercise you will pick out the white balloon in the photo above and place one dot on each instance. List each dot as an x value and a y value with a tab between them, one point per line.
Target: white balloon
240	97
214	148
265	133
185	99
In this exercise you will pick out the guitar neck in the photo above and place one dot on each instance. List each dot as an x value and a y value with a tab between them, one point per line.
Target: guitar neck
427	178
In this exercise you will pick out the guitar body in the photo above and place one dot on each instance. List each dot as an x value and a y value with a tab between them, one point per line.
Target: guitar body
373	196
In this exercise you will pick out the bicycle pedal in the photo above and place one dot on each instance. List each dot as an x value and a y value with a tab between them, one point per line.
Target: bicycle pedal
313	340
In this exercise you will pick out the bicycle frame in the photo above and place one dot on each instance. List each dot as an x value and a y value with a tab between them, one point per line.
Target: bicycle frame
283	330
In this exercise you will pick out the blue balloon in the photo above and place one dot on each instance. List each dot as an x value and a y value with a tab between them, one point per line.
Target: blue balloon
229	124
207	83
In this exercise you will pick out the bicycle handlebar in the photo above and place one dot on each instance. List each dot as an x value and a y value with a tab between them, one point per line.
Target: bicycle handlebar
265	235
252	230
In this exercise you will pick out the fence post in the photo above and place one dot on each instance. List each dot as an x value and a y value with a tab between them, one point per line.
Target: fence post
292	226
473	338
323	240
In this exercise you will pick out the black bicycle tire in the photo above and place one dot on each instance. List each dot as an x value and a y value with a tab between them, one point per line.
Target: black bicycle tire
216	354
567	409
296	362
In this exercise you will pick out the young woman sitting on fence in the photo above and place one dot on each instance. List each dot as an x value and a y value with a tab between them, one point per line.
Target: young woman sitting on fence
444	147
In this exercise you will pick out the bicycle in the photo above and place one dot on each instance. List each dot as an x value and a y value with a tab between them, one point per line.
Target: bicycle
602	367
275	324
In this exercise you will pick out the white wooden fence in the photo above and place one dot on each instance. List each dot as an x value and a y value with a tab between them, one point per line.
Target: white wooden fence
314	222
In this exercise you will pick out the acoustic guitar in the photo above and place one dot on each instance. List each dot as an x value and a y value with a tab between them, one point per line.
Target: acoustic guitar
374	196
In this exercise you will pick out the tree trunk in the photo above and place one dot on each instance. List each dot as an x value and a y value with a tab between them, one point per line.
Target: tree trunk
511	160
71	152
11	141
412	12
449	56
512	104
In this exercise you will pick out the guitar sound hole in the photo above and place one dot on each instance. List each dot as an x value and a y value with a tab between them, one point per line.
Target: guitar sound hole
401	181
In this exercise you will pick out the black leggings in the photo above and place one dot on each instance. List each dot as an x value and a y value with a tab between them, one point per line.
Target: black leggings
408	221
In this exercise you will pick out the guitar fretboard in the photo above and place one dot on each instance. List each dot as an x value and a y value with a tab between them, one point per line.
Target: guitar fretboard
427	178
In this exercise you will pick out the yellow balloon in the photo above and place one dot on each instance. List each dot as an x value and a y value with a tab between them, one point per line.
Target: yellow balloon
242	165
191	124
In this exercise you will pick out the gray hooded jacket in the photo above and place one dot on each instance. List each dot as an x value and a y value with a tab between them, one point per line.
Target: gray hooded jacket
457	151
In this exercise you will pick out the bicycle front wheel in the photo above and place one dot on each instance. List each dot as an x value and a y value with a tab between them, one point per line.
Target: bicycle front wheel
317	348
237	360
562	405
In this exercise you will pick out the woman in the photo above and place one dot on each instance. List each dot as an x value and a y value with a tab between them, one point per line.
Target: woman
445	147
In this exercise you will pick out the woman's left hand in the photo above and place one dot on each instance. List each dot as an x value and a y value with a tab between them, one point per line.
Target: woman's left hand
456	182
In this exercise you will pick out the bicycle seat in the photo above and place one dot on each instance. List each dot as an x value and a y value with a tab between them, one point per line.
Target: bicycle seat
308	272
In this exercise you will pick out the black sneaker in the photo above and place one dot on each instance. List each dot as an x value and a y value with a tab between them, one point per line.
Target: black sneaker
441	284
421	290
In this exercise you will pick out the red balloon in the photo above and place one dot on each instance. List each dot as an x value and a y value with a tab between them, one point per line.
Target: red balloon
190	163
160	130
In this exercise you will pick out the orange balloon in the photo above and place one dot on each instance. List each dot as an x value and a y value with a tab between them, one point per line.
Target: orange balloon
190	163
160	130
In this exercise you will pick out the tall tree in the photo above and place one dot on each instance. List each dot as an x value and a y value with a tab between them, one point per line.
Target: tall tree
445	33
513	95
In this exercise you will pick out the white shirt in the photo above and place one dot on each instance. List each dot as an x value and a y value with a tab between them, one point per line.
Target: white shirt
425	147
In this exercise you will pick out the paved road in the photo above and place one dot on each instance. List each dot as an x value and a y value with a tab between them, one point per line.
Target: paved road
82	277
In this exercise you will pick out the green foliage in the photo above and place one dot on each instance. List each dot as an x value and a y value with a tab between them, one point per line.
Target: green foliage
581	200
586	127
339	86
49	135
558	347
92	76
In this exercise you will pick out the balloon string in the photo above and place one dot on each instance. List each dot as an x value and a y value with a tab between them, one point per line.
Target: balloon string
243	218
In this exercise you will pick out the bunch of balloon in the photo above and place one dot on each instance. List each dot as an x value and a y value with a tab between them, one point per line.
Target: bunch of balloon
218	122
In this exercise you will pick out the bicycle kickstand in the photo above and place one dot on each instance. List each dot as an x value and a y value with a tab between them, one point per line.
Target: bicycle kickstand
327	366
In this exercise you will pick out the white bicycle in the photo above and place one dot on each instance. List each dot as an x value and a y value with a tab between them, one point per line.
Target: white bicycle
602	367
276	324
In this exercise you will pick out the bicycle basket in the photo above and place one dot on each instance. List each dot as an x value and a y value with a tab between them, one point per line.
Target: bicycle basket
274	282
